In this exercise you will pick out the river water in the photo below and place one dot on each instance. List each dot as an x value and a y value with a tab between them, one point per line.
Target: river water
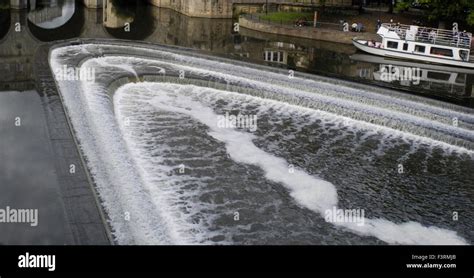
167	173
160	157
28	179
218	37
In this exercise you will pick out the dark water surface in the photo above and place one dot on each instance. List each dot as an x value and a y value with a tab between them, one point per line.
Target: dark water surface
28	178
217	37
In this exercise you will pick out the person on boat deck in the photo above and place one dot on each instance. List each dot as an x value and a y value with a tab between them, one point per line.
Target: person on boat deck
432	36
424	34
397	27
419	34
464	38
378	25
461	38
399	30
455	38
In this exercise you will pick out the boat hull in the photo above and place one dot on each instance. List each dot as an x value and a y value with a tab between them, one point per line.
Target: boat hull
360	44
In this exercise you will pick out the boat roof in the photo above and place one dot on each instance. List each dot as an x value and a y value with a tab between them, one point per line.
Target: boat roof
427	35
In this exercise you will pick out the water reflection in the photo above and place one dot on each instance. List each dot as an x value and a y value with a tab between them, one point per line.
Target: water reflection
172	28
51	14
132	20
452	82
28	177
53	20
116	15
17	48
138	21
4	23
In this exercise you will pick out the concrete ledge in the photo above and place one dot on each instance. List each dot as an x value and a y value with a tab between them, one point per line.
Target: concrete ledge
304	32
86	219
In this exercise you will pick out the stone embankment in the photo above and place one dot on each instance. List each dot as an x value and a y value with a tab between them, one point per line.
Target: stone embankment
323	34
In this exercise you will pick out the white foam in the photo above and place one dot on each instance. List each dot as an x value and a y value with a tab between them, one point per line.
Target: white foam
413	119
123	185
176	209
309	191
119	184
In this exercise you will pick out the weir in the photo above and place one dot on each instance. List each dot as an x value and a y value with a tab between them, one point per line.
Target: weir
331	132
157	109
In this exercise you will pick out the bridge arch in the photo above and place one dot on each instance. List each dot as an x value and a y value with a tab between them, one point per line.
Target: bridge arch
52	15
56	22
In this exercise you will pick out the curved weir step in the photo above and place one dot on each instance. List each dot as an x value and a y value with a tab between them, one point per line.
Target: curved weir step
151	110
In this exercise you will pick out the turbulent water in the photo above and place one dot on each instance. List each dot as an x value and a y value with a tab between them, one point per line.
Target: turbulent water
169	172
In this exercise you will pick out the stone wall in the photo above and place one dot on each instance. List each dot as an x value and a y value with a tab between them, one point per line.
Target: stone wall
93	4
303	32
224	8
198	8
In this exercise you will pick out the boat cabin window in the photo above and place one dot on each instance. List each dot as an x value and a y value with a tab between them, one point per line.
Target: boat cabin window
441	51
464	55
420	48
405	46
392	44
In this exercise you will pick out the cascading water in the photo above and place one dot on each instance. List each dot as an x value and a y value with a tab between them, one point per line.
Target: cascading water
168	173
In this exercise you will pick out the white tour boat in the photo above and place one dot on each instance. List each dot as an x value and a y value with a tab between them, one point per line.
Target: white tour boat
424	44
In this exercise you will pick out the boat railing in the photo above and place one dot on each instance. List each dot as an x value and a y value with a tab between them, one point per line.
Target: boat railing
431	35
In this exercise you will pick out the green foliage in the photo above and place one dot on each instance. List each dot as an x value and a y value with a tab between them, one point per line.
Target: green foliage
402	6
470	18
453	10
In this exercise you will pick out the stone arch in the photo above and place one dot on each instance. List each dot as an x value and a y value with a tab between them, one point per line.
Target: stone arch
68	27
52	15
